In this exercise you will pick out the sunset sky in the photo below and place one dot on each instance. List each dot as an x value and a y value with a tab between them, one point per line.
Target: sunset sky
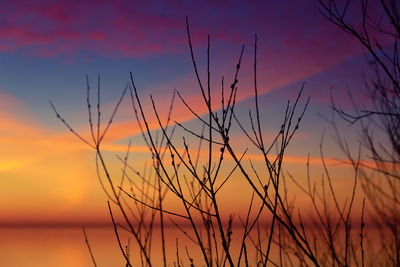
47	48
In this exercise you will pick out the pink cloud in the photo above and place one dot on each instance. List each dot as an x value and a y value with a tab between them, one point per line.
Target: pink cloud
110	27
137	29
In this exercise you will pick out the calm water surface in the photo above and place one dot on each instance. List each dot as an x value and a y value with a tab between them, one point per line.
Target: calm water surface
45	247
58	246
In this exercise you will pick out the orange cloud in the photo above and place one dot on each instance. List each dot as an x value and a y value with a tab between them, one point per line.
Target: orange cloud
43	174
47	176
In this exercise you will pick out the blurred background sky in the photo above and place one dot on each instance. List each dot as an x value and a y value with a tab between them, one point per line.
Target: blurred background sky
47	176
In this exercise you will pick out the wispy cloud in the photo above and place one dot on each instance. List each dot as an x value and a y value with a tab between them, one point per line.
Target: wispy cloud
140	29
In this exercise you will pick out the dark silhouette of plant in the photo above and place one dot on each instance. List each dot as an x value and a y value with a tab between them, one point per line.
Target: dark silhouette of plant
378	31
137	223
193	169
